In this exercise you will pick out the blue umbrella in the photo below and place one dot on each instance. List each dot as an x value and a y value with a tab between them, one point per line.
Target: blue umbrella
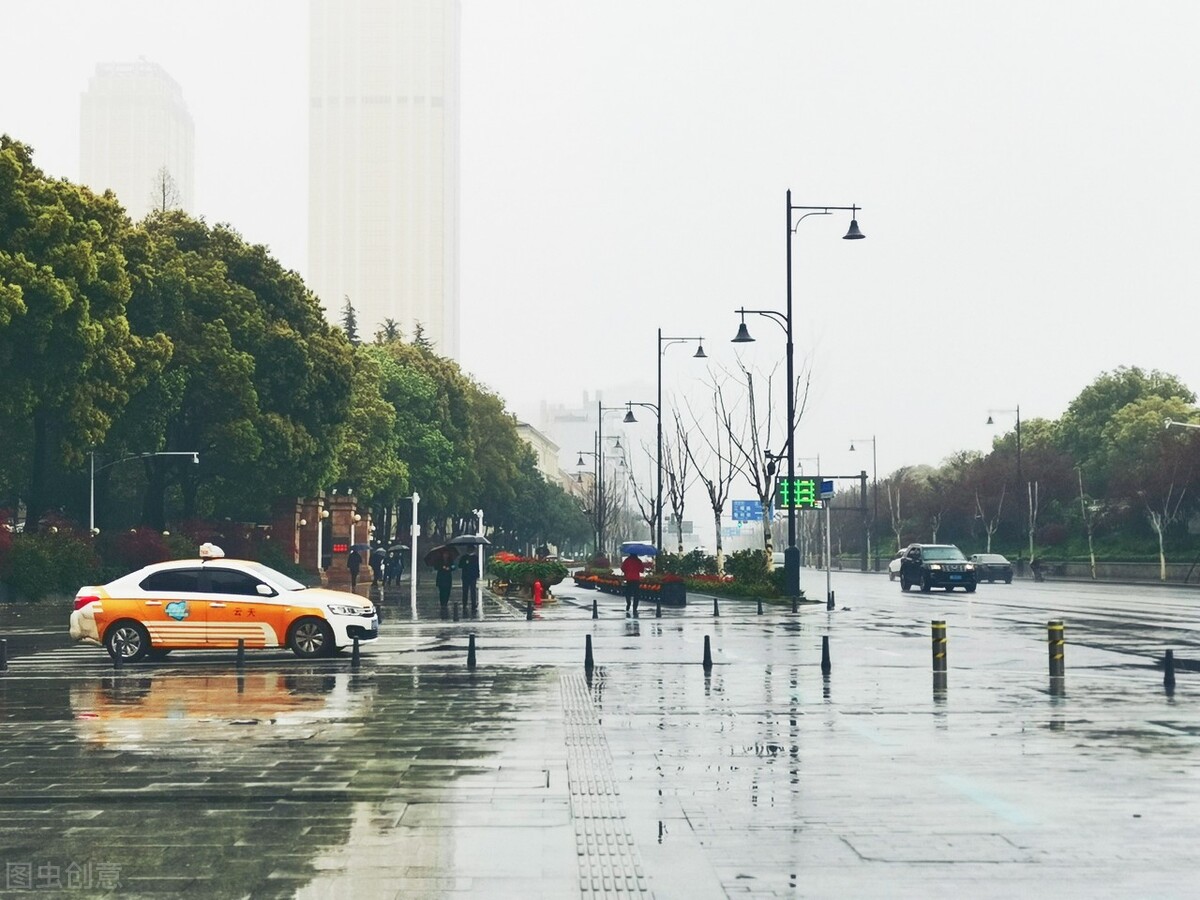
637	548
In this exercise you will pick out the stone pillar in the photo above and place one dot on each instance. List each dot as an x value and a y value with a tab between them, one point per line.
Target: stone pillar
285	527
342	509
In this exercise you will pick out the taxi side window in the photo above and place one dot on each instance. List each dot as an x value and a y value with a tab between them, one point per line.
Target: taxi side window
227	581
173	581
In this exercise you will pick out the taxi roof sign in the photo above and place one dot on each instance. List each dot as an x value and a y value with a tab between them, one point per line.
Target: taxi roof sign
211	551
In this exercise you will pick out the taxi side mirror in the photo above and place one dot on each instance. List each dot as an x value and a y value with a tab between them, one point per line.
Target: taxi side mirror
263	590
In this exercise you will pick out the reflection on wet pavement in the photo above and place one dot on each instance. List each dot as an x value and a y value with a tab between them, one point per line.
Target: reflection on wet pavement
409	776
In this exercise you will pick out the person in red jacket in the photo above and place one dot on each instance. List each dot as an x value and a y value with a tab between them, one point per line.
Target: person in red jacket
632	569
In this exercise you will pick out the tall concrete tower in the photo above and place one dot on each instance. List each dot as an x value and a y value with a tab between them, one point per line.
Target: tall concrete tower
134	127
383	164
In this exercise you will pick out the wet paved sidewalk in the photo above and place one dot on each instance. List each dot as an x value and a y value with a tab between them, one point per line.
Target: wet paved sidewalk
412	776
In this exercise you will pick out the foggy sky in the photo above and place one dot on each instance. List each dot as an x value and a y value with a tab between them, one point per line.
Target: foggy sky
1026	171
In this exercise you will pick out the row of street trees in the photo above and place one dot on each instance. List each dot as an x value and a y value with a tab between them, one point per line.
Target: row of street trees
169	334
1105	479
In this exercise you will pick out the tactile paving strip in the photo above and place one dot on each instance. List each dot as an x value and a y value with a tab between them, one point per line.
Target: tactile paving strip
609	865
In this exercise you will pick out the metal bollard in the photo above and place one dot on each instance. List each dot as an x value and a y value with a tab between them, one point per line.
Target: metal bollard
588	662
707	655
529	611
1168	671
658	609
760	606
829	601
939	645
471	651
716	607
1055	641
826	665
241	656
595	609
795	604
354	658
3	655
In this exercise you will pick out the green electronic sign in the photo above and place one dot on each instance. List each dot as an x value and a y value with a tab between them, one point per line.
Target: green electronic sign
799	493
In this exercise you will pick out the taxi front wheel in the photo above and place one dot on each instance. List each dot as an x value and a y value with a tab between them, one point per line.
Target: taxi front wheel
127	641
311	638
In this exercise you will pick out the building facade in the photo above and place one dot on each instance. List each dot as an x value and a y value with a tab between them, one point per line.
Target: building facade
136	138
384	164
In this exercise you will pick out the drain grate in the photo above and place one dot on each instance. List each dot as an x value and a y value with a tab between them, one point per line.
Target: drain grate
609	865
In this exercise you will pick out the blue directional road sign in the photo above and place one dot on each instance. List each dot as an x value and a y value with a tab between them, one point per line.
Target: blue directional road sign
747	510
826	490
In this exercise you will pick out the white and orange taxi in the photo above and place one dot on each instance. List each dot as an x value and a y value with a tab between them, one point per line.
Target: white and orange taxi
213	602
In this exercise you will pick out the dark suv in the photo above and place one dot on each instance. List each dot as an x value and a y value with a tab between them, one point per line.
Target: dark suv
936	565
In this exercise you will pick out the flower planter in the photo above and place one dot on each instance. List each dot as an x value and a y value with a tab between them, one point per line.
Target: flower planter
668	593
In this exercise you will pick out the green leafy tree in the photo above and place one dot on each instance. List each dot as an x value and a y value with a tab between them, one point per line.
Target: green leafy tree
1082	427
1154	466
388	332
259	383
368	441
67	358
350	322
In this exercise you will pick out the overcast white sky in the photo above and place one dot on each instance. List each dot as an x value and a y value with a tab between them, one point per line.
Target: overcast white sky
1028	173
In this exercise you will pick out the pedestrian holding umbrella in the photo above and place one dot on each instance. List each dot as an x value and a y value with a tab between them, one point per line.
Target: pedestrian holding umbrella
638	548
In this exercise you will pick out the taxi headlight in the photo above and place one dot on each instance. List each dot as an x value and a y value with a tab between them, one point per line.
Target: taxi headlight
349	611
936	567
970	567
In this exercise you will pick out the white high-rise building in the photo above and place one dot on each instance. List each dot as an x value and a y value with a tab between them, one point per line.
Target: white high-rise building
136	137
383	164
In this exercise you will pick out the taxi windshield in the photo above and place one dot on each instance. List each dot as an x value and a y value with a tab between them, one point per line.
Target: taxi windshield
277	578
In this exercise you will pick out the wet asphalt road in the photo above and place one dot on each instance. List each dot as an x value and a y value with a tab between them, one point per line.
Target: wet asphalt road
410	776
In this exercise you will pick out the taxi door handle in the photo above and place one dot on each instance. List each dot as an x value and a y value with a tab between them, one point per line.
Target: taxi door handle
154	603
216	606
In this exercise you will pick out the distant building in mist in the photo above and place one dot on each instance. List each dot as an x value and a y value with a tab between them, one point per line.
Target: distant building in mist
134	125
384	164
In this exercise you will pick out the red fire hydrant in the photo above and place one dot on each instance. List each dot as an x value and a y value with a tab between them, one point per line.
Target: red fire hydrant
537	593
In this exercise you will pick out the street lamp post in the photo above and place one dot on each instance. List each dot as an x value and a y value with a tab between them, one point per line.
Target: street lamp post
1020	478
872	543
595	488
92	481
414	533
656	526
663	344
791	556
601	409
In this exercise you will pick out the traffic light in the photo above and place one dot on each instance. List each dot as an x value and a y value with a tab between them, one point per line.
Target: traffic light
800	493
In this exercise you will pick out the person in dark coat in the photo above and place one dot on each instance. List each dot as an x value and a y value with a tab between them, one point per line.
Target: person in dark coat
377	557
445	580
469	571
353	563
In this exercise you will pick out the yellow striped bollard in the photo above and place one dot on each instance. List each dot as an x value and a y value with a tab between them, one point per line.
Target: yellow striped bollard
1055	642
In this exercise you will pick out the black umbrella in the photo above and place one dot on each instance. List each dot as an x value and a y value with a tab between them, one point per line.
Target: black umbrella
469	540
396	548
442	553
360	546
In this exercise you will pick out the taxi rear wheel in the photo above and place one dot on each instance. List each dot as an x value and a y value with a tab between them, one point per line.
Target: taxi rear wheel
310	638
127	641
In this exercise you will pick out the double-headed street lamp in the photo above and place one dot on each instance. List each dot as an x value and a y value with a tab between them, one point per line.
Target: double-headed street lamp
92	487
872	543
791	556
663	344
